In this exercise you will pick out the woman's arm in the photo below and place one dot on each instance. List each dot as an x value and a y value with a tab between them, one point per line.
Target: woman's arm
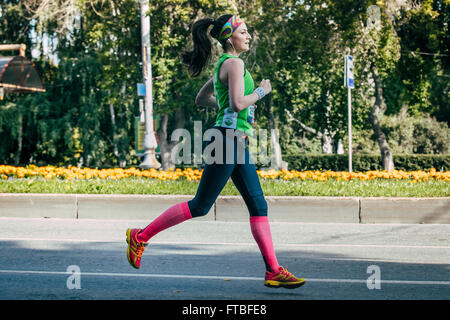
235	72
205	96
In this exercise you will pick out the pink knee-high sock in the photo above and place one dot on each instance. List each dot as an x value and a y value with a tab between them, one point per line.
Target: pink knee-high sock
172	216
261	232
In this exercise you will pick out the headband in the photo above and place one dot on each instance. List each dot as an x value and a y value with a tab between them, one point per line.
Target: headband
228	28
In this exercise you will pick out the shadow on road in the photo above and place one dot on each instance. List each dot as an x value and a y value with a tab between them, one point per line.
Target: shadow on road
178	264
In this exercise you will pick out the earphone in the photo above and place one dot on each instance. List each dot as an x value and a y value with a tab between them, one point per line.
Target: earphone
232	44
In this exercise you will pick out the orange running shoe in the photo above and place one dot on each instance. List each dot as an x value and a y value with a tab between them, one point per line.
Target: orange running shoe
282	279
135	248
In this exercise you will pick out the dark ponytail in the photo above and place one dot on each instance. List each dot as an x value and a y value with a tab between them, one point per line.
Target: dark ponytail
200	55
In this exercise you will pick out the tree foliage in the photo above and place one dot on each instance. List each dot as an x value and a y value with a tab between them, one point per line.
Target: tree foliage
89	54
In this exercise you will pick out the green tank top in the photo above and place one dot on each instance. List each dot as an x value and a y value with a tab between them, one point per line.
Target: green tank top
226	116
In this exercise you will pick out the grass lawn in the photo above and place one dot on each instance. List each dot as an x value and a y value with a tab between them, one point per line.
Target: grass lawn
271	187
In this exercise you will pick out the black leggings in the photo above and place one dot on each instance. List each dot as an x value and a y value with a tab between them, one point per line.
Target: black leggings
239	167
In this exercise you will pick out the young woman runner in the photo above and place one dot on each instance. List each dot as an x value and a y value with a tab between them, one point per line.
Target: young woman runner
231	90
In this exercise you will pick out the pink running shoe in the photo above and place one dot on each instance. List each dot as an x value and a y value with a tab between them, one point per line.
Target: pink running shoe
135	248
282	279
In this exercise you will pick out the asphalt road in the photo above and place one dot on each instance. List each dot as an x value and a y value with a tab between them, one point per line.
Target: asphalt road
86	259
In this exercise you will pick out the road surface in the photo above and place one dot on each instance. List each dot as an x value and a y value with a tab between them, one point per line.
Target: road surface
72	259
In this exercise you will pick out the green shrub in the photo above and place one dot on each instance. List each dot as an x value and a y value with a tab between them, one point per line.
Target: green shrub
365	162
417	135
405	135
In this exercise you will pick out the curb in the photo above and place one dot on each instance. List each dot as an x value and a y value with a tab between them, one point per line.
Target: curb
230	208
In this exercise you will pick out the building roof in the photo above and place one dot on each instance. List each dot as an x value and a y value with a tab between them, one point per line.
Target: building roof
18	74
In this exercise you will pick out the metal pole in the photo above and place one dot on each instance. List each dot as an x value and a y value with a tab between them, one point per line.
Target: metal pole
21	47
149	143
349	129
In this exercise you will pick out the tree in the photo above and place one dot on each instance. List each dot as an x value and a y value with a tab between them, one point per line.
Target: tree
376	45
174	90
89	54
308	68
424	64
264	21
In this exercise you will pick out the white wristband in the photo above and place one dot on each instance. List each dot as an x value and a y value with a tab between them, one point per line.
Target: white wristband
260	92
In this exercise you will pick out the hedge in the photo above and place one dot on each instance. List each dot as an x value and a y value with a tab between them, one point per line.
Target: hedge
365	162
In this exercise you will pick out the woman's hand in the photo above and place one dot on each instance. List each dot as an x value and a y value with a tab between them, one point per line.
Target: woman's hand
265	84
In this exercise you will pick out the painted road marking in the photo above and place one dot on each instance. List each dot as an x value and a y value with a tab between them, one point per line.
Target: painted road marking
188	276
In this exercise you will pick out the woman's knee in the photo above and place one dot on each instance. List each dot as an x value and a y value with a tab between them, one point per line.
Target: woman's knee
259	207
198	209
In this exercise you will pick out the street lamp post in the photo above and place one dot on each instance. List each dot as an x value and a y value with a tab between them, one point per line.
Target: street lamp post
149	143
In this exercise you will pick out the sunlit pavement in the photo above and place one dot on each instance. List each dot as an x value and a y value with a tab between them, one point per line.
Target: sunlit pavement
86	259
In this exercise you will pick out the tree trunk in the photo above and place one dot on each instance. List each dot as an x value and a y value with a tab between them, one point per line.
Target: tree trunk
378	107
117	154
327	142
339	146
113	128
277	160
18	154
325	137
165	144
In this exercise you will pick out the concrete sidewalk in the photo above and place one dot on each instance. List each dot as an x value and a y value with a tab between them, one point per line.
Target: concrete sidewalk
230	208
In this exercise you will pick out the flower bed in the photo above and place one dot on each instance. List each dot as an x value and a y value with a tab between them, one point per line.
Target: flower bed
75	173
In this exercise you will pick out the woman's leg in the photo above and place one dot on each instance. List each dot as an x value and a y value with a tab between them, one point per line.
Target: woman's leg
172	216
214	178
247	182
